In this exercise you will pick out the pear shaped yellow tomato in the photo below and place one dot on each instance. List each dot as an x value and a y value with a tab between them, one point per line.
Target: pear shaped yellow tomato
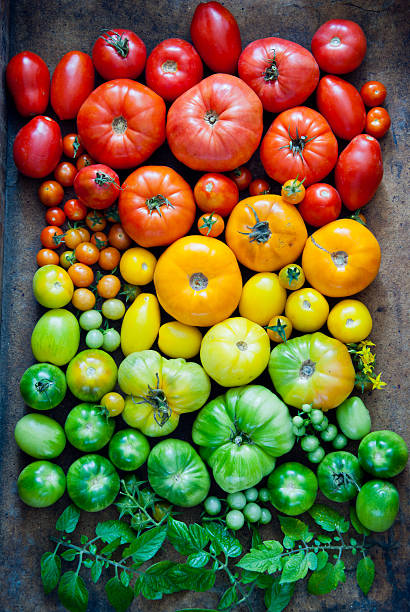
140	324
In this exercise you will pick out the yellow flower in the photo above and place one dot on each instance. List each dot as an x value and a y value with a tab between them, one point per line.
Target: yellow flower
377	383
367	368
366	343
366	355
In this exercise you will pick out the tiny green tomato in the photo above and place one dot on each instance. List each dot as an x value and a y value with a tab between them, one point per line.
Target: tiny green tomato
212	505
94	339
329	433
317	455
90	319
252	512
266	516
298	421
251	494
113	309
236	501
340	441
322	425
309	443
316	417
235	520
264	495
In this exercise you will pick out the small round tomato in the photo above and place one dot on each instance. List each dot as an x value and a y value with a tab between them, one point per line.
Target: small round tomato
383	454
216	193
67	259
92	483
176	339
262	298
259	187
377	122
292	277
353	418
65	173
83	299
279	328
84	233
97	186
43	386
50	193
113	309
75	210
91	374
111	214
113	402
109	258
111	340
293	191
52	237
52	286
72	238
339	46
242	177
340	476
72	146
137	266
350	321
373	93
119	54
91	319
307	309
377	505
84	160
55	216
87	253
100	240
96	221
118	238
321	205
211	224
41	484
47	256
81	275
87	427
128	449
108	286
293	488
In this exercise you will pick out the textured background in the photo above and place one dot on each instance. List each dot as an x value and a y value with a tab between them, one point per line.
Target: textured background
52	29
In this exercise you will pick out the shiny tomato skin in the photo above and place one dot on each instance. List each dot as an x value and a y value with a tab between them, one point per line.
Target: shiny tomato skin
359	171
50	193
216	37
71	83
373	93
55	216
173	67
28	80
341	104
75	210
38	147
211	224
64	173
259	187
46	257
377	122
339	46
216	193
242	176
97	186
322	204
72	146
52	237
119	54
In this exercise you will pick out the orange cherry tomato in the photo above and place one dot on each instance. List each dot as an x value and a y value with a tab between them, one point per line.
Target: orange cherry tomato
279	328
83	299
96	221
293	191
87	252
47	256
242	177
373	93
118	238
216	193
84	160
52	237
211	224
100	240
81	275
85	234
73	237
109	258
377	122
65	173
72	146
55	216
50	193
108	286
259	187
75	210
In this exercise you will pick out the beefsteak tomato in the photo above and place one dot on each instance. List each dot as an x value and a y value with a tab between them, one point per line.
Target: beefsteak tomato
341	104
71	83
339	46
38	147
28	80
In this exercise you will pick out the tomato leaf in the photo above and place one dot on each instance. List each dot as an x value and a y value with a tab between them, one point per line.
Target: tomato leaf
265	558
228	598
68	520
223	541
295	568
109	531
72	592
96	570
69	555
147	545
278	596
199	559
187	540
111	547
328	519
50	571
312	560
327	579
357	525
365	574
322	557
293	527
119	596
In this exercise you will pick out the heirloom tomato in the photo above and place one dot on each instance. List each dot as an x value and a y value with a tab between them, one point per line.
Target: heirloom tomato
113	403
353	418
377	505
52	287
216	193
383	454
140	324
339	46
178	340
377	122
349	321
307	309
41	484
56	337
241	433
28	80
340	476
128	450
340	103
91	374
262	298
88	428
97	186
321	205
373	93
92	483
312	369
39	436
292	277
37	147
71	83
293	191
265	233
122	123
198	281
119	54
43	386
216	125
293	488
279	328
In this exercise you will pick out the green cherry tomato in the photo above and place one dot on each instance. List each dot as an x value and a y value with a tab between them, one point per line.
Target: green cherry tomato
339	442
43	386
329	433
317	455
383	454
92	483
252	512
322	425
113	309
236	501
266	516
91	374
128	449
353	418
90	319
340	476
251	494
377	505
306	408
235	520
39	436
94	339
309	443
111	340
316	416
41	484
212	506
264	495
298	421
293	488
88	428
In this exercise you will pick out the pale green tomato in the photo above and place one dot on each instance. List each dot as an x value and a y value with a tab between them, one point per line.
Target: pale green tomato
113	309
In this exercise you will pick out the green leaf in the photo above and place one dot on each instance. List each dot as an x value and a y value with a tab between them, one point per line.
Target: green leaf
288	542
293	527
265	558
199	559
223	541
322	557
96	570
278	596
327	579
72	592
50	571
197	610
125	578
312	560
228	598
256	538
199	536
69	555
146	545
357	525
88	563
111	547
365	574
328	519
119	596
186	578
295	568
109	531
324	539
247	576
179	536
68	520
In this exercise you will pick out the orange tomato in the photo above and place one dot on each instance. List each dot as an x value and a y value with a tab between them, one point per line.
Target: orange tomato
87	253
81	274
47	256
211	225
108	286
265	233
83	299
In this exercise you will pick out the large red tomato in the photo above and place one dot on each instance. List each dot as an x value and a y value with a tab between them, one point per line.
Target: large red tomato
38	147
156	206
122	123
281	72
299	143
339	46
72	82
119	54
341	104
28	80
216	125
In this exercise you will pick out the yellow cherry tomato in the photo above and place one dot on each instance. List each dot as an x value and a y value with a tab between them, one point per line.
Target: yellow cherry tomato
262	298
113	402
293	191
307	309
350	321
140	324
176	339
279	328
137	266
292	277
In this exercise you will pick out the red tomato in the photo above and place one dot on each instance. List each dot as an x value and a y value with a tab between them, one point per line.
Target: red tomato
38	147
65	173
173	67
242	177
340	103
75	210
216	125
84	160
156	206
377	122
216	193
119	54
299	143
52	237
321	204
281	72
373	93
72	146
359	171
211	224
28	80
50	193
55	216
97	186
216	37
72	82
122	123
339	46
259	187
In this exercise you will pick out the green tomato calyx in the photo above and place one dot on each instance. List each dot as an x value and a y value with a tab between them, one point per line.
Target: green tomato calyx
43	385
260	232
307	369
158	400
344	479
239	438
156	202
272	72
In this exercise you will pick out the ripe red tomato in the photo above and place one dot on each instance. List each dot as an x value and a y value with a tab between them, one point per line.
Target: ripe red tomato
52	237
38	147
173	67
28	80
359	171
373	93
259	187
50	193
211	224
122	123
216	193
109	258
65	173
119	54
97	186
216	37
339	46
96	221
281	72
84	160
55	216
321	204
377	122
118	238
299	143
72	146
75	210
71	83
341	104
242	177
100	240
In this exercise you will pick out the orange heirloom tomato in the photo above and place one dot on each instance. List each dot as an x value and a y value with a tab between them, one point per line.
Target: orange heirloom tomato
265	233
341	258
211	225
198	281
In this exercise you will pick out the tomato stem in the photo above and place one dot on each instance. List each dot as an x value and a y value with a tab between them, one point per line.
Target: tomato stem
260	232
297	144
156	202
272	72
101	178
209	222
158	400
115	40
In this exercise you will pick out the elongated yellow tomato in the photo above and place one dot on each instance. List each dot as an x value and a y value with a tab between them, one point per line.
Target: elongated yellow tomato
178	340
137	266
349	321
262	298
140	324
234	352
52	286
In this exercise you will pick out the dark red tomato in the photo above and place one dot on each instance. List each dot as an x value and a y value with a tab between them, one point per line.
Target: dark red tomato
259	187
38	147
339	46
216	193
28	80
341	104
377	122
52	237
321	204
173	67
55	216
75	210
281	72
359	171
72	82
65	173
50	193
97	186
72	146
242	177
373	93
119	54
216	37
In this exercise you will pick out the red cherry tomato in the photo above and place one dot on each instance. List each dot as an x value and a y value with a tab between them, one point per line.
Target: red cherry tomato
28	80
38	147
84	160
119	54
72	146
339	46
373	93
216	193
55	216
52	237
75	210
242	177
97	186
71	84
65	173
321	204
50	193
377	122
259	187
341	104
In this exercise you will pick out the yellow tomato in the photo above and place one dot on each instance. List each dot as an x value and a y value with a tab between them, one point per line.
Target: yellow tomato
279	329
140	325
113	402
176	339
262	298
307	309
350	321
52	286
137	266
292	277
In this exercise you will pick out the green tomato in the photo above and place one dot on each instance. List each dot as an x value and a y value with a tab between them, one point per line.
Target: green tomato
212	506
235	520
252	512
264	495
316	417
92	483
88	428
177	473
383	454
353	418
293	488
251	494
94	339
339	442
266	516
339	476
111	340
52	286
317	455
39	436
298	431
56	337
322	425
236	501
90	319
43	386
41	484
306	408
298	421
128	449
91	374
329	433
309	443
113	309
377	505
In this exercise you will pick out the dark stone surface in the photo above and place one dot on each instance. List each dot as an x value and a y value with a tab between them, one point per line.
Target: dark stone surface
52	29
